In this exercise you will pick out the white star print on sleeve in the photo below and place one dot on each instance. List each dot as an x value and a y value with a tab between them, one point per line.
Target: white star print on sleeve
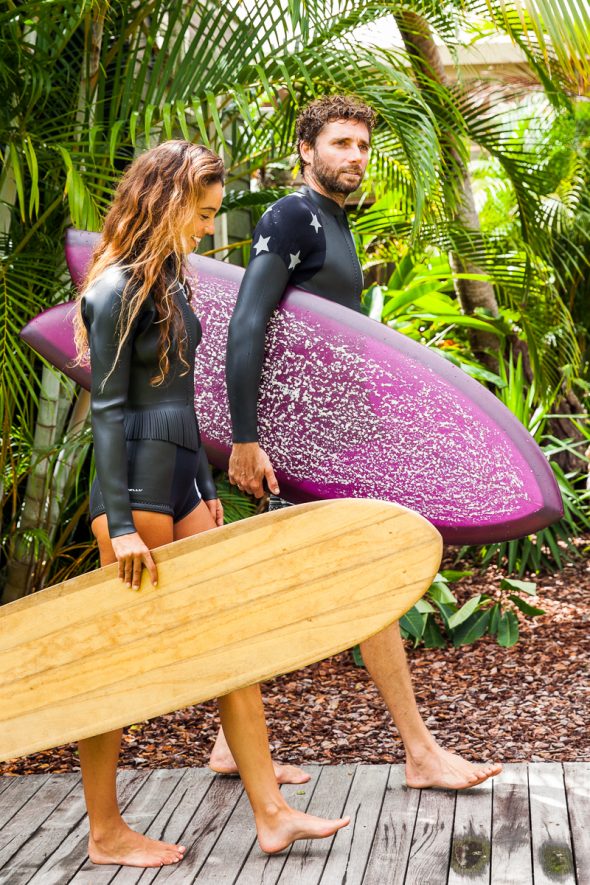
261	245
295	260
315	222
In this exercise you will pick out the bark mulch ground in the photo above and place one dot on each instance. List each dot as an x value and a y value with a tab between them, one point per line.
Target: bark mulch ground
526	703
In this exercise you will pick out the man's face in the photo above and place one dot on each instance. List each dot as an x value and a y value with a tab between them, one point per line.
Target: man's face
339	157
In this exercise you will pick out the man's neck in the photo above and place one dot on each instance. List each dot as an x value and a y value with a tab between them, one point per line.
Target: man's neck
314	184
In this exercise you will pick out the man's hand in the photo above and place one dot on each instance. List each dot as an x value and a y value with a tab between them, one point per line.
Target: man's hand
249	466
131	554
216	510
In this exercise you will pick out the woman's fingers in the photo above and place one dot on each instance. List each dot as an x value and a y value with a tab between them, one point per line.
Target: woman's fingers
137	563
151	567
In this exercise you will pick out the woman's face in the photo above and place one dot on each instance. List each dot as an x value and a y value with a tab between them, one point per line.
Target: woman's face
200	221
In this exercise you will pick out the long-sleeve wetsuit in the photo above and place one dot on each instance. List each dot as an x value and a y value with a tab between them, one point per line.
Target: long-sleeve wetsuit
127	406
303	240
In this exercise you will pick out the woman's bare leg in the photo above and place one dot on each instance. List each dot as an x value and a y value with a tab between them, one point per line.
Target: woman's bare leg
242	715
111	840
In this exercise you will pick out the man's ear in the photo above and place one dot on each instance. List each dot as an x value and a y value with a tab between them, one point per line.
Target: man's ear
306	151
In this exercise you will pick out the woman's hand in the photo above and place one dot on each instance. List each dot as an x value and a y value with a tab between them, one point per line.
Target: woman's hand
216	510
131	554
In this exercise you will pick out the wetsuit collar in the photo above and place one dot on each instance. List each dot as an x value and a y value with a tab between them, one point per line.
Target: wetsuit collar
321	201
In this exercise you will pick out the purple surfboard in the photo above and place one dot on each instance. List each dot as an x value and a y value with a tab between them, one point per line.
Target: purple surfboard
350	408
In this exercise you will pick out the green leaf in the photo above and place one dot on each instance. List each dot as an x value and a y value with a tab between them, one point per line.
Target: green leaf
357	656
432	635
472	629
413	623
452	575
508	630
526	607
465	611
495	614
18	178
524	586
439	592
424	607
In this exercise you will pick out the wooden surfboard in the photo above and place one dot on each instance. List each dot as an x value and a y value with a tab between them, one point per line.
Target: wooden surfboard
350	408
234	606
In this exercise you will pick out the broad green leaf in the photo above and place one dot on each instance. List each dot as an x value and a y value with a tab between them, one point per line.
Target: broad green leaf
524	586
453	575
465	611
472	629
439	592
413	622
526	607
508	630
495	614
424	607
432	636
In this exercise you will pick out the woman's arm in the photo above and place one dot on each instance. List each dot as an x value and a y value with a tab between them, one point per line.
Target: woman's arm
101	306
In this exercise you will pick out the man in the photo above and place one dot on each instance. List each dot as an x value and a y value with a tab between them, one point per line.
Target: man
304	240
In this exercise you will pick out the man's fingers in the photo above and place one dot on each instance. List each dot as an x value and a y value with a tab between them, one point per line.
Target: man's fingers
128	570
151	567
271	480
121	565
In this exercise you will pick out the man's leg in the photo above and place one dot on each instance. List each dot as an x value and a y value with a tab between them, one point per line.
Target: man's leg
427	764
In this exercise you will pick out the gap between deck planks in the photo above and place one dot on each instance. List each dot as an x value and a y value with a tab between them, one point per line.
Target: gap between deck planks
527	826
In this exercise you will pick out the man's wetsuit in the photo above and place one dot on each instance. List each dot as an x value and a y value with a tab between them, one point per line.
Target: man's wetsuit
146	439
302	240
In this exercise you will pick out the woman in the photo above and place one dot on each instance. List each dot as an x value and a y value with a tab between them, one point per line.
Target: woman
151	475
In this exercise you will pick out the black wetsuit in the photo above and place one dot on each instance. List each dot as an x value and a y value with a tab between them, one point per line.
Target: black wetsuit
303	240
147	444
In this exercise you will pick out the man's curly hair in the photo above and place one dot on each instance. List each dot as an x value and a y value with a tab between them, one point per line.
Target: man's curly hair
312	119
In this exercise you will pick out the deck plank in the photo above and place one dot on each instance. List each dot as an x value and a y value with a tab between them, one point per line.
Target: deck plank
431	844
552	847
352	845
139	814
471	846
18	792
63	864
229	853
577	787
265	869
511	832
17	831
171	821
203	830
49	836
390	851
307	859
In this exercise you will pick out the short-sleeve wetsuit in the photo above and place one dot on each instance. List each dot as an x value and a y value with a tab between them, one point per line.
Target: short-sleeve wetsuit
304	240
146	439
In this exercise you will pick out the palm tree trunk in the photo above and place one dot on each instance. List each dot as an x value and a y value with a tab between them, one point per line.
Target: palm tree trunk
430	73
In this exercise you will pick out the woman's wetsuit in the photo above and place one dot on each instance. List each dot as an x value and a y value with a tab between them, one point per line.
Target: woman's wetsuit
302	240
147	446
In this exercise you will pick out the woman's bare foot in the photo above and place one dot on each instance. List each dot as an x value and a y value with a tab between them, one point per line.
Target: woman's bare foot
439	768
279	827
128	848
221	761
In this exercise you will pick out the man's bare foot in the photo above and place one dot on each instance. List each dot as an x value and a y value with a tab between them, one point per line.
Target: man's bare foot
128	848
439	768
280	827
285	774
221	761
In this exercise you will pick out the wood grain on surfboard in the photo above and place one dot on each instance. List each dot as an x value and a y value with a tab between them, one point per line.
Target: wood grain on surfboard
234	606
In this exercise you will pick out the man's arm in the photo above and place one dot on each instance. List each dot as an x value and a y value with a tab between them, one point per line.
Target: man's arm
262	287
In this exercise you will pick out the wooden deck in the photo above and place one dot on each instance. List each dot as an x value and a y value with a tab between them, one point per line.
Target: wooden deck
531	825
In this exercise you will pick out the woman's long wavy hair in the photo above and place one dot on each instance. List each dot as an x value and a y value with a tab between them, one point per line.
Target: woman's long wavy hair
141	234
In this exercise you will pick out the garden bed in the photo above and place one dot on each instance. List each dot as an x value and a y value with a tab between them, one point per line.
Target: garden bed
525	703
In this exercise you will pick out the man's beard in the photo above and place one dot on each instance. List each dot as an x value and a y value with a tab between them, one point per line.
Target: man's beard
330	178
